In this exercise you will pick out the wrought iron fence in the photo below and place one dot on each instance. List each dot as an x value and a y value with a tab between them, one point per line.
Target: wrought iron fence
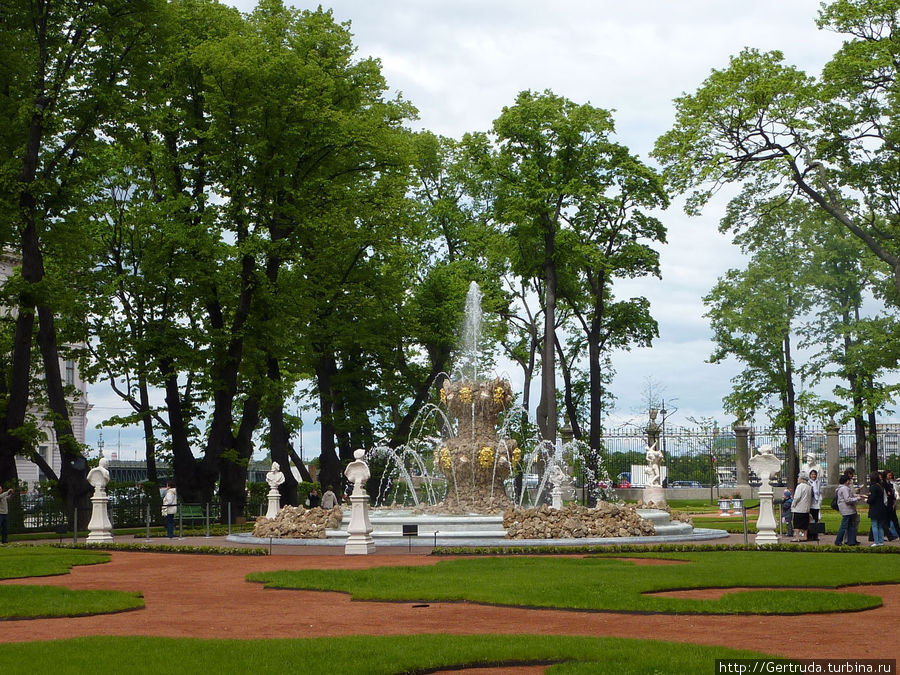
708	456
40	513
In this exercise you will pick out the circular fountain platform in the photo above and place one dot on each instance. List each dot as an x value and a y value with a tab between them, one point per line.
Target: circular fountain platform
395	527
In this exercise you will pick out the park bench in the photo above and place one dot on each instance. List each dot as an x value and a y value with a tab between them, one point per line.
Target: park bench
191	514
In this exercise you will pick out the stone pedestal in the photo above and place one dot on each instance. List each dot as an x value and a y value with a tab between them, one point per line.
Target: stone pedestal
655	494
360	541
765	524
274	503
556	496
100	527
832	453
765	465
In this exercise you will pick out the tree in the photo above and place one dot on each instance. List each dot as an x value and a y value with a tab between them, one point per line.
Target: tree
609	238
66	69
549	151
847	344
776	131
753	314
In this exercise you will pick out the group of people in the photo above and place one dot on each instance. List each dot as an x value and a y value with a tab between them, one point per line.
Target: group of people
882	501
328	500
801	509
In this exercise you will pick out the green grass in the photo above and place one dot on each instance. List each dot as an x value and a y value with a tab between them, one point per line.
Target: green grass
40	561
360	655
606	583
735	524
19	602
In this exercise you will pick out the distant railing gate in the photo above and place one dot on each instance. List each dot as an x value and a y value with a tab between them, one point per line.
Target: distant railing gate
714	456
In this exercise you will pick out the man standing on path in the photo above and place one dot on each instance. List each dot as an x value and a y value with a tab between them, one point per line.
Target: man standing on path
4	515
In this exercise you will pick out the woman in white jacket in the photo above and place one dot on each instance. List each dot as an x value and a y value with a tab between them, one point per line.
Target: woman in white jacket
800	507
170	506
816	503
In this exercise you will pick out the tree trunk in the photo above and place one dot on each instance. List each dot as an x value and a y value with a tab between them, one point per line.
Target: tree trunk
568	397
546	410
873	442
440	364
73	486
184	465
793	467
279	441
329	464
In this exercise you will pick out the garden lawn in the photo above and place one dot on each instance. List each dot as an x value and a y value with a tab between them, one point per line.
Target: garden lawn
360	655
21	602
609	584
735	524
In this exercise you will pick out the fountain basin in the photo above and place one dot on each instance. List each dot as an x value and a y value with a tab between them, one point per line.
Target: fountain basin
481	530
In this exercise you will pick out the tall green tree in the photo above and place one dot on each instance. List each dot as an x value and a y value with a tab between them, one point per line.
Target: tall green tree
775	130
611	236
549	151
66	68
754	314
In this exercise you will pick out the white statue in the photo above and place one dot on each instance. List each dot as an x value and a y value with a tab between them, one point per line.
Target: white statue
359	530
100	526
557	476
765	464
654	457
811	463
357	472
274	477
98	477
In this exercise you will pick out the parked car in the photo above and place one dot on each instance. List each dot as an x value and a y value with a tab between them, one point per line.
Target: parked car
685	484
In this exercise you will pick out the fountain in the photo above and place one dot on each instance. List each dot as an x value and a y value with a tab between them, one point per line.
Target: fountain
460	480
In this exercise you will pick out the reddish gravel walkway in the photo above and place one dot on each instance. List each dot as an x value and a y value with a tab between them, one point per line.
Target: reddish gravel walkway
199	596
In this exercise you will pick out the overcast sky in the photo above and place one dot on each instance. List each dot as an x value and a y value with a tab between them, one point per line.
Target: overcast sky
460	61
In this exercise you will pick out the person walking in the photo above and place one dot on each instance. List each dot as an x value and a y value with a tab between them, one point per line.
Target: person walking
4	514
800	507
847	502
329	499
314	499
892	530
170	506
877	501
815	504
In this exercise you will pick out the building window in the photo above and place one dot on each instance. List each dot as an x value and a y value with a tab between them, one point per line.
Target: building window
70	373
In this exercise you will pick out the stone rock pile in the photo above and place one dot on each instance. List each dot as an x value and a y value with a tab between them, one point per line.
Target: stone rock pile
296	522
576	522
